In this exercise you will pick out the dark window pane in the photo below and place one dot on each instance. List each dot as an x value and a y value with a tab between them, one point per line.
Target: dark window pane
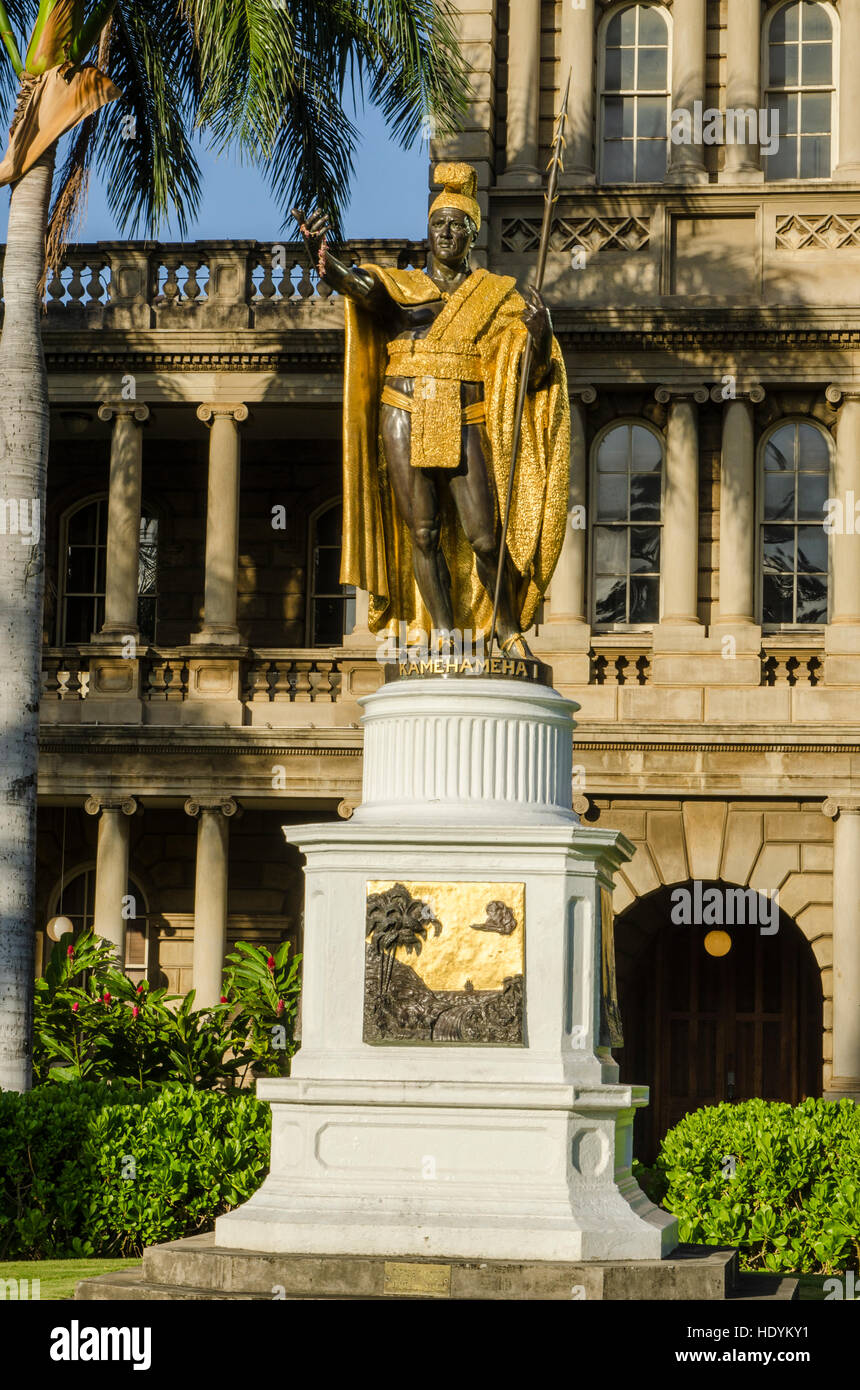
786	23
779	548
644	599
811	549
650	161
652	117
813	455
101	569
777	598
79	620
618	161
646	450
652	27
81	572
779	453
815	64
146	612
147	570
782	163
645	549
613	452
816	23
618	117
82	526
329	527
328	622
815	109
812	598
645	497
786	110
812	495
815	157
609	600
327	570
779	496
782	71
610	550
612	79
652	69
612	497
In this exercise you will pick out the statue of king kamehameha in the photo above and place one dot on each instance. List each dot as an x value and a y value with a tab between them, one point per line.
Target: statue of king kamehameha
432	371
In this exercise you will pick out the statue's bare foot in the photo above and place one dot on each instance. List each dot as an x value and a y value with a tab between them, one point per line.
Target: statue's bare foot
516	645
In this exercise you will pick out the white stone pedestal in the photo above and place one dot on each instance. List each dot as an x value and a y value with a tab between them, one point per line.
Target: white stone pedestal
505	1152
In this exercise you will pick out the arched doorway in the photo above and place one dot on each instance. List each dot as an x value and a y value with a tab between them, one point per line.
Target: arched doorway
701	1028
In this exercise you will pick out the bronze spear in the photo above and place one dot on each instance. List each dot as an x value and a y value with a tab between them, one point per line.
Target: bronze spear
554	166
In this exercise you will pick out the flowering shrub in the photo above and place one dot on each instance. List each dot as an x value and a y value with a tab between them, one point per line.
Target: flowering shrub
779	1182
92	1023
89	1169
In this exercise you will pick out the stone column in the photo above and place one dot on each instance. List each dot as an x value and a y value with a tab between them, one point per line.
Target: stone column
737	507
845	1078
842	633
577	58
848	89
123	535
210	895
567	588
680	546
111	867
523	91
743	85
687	162
222	524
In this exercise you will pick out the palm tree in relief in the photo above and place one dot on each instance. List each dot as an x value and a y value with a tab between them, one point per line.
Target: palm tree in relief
394	919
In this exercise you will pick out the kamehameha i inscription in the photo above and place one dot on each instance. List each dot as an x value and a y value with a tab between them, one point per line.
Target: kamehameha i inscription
400	1006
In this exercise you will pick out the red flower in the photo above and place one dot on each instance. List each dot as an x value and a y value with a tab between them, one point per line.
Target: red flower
271	962
223	999
140	988
280	1006
70	951
135	1011
107	996
75	1008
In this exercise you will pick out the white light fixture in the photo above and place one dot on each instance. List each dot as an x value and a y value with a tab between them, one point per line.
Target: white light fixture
58	926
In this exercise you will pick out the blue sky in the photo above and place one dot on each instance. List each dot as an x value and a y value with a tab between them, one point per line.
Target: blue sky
389	196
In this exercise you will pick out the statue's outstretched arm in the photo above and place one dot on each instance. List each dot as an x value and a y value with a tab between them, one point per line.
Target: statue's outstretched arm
343	279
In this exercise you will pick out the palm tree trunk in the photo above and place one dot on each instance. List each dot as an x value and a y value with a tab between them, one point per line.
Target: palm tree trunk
24	424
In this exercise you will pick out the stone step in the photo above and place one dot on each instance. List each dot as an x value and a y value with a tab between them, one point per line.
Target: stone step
195	1268
763	1288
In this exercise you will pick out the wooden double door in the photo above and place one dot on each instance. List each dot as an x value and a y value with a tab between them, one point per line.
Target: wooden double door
700	1028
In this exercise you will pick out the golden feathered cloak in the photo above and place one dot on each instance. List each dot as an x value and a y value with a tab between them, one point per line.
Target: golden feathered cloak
485	316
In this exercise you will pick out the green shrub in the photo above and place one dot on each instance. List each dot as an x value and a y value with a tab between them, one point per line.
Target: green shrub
92	1023
781	1183
88	1169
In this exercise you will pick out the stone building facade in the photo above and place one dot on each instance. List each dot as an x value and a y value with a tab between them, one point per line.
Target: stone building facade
203	666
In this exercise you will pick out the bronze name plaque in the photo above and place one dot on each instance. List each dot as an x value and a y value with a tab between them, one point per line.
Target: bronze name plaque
415	1278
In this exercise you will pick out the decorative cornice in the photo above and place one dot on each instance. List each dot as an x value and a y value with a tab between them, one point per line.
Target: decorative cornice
836	806
586	394
665	394
837	394
754	393
124	410
227	805
214	410
95	804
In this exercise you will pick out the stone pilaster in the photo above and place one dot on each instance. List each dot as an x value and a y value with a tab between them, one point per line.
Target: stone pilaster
222	524
565	635
123	535
111	867
680	549
842	634
577	58
687	162
848	93
743	86
523	93
737	507
210	894
845	1078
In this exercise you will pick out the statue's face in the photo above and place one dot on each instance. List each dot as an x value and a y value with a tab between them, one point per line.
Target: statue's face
451	234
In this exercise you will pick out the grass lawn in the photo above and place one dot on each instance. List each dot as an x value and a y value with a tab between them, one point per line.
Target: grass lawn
58	1277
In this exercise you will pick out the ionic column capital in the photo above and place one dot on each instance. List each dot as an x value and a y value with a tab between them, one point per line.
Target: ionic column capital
836	806
211	410
753	392
124	410
665	394
94	805
837	394
227	805
585	395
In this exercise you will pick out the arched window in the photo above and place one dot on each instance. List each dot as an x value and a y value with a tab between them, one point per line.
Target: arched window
627	488
82	570
799	88
78	904
794	558
635	96
331	605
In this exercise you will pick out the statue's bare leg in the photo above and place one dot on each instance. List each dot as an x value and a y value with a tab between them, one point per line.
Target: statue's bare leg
417	500
475	501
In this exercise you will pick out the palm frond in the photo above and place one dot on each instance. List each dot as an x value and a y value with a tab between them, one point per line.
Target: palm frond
143	145
22	16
